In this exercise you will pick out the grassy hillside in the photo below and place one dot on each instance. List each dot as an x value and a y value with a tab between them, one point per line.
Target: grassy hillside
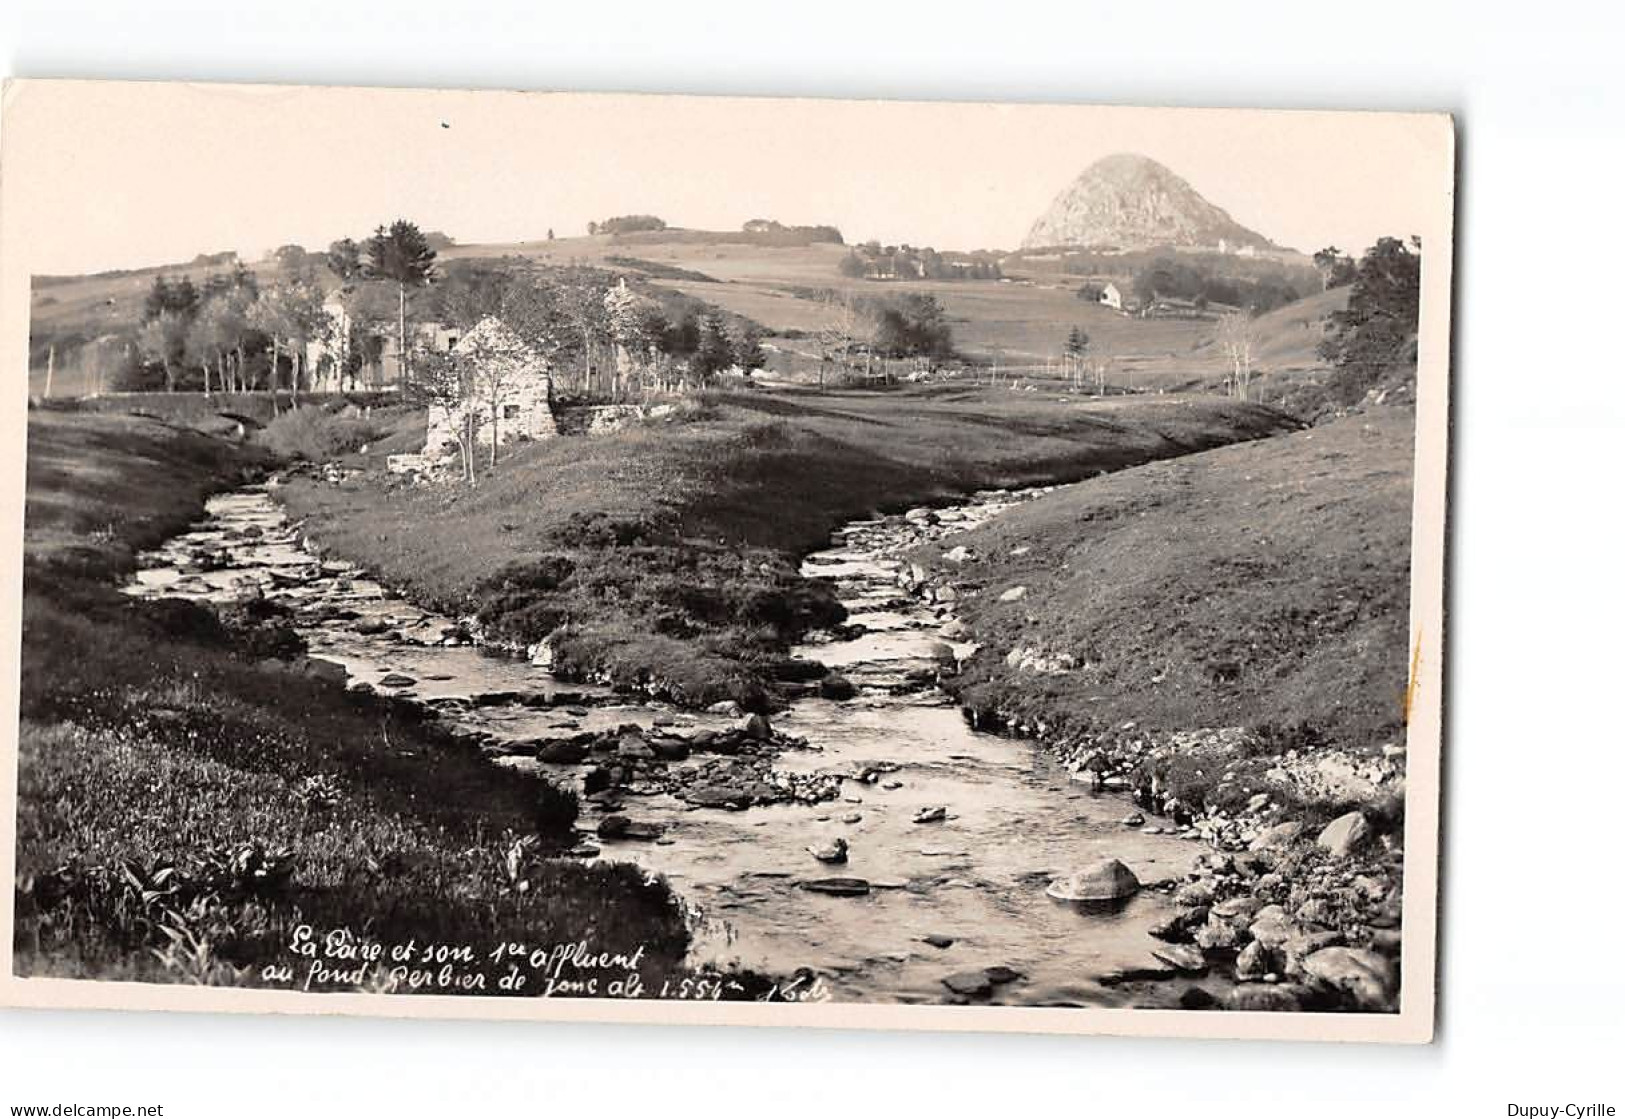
184	806
1257	585
665	556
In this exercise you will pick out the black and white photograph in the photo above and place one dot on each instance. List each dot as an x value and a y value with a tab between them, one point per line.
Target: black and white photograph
940	565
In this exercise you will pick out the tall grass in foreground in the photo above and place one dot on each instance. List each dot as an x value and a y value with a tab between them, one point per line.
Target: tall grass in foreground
184	807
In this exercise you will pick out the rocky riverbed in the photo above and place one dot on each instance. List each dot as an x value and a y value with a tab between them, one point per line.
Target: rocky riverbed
868	837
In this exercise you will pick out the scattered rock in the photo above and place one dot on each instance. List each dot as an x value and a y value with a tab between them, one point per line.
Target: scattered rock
633	747
937	940
1237	909
1364	976
758	727
837	887
1181	957
931	814
1271	928
1195	893
669	749
1252	962
1344	835
998	974
836	686
1107	880
1133	820
971	984
1264	997
831	852
396	680
1278	836
1014	594
1195	998
562	751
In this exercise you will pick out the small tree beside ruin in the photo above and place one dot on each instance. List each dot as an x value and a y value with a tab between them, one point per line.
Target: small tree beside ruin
445	383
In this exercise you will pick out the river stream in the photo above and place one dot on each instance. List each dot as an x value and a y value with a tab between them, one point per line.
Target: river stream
977	878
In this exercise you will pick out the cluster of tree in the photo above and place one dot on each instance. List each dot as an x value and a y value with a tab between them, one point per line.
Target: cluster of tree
1193	281
627	223
229	334
769	232
1376	334
605	338
1336	269
858	330
235	334
874	261
913	326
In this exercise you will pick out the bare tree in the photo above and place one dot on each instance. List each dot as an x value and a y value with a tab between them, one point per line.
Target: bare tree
840	331
1238	337
163	339
445	383
498	363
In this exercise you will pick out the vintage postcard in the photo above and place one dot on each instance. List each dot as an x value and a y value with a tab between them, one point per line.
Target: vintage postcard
708	560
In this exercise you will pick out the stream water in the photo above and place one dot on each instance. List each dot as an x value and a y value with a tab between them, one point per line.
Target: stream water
1015	818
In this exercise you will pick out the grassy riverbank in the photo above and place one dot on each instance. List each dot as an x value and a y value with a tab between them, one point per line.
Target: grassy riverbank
1265	585
665	556
184	807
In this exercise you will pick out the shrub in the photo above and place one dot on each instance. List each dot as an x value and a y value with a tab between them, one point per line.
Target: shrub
556	811
316	435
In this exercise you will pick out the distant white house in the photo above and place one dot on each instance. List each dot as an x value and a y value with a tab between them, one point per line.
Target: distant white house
1111	296
509	392
334	365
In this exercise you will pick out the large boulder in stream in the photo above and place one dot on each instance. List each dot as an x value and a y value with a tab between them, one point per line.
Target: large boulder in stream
1107	880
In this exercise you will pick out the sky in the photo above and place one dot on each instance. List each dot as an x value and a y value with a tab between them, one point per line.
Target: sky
122	174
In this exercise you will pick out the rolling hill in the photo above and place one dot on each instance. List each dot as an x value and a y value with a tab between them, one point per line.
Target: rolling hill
1020	322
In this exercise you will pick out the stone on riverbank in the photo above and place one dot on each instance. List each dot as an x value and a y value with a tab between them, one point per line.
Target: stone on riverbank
1365	977
1264	997
1181	957
1278	836
1344	835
